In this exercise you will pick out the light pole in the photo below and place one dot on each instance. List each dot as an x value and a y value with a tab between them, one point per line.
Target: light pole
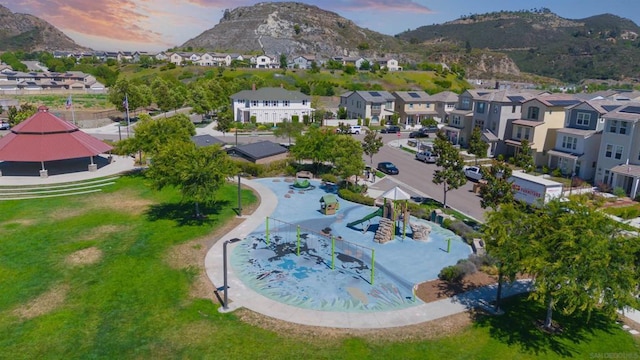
239	197
224	269
573	174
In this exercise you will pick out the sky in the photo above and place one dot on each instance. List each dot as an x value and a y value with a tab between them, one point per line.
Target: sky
155	25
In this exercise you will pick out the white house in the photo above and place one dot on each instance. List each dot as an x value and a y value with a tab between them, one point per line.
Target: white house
266	62
270	105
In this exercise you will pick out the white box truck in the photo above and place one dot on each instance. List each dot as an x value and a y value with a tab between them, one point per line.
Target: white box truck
534	190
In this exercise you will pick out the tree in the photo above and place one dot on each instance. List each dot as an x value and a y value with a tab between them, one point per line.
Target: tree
498	189
342	112
315	144
477	146
504	235
523	158
162	95
225	121
151	135
581	260
365	65
450	172
283	61
371	144
350	69
122	88
288	129
200	100
428	122
347	157
16	116
197	171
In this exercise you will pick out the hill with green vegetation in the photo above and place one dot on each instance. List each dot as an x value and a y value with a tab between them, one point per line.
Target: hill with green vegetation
540	42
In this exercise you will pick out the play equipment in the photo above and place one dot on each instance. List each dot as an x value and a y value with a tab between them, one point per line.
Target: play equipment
329	204
301	184
395	209
378	212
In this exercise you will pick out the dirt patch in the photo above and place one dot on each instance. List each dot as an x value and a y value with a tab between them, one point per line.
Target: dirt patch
103	230
424	331
84	257
122	200
437	289
44	303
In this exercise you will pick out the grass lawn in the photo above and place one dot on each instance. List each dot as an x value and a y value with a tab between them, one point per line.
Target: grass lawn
105	276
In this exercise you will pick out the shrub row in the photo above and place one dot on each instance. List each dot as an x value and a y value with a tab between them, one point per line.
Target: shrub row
356	197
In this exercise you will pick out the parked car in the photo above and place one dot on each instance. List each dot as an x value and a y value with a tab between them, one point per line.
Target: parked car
388	168
424	132
355	129
393	129
473	173
427	157
5	126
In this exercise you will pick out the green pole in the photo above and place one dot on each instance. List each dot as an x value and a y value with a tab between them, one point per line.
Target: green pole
373	265
267	230
298	240
449	245
333	253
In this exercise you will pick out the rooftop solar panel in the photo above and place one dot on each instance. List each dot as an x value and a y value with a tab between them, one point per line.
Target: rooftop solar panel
610	107
563	102
374	93
631	110
515	98
414	95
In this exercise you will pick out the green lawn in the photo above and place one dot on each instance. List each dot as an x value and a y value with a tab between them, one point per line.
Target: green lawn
130	302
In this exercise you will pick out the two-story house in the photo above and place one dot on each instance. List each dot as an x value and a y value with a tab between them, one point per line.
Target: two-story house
302	62
390	64
539	115
377	106
460	124
494	113
576	150
444	103
270	105
413	106
267	62
619	156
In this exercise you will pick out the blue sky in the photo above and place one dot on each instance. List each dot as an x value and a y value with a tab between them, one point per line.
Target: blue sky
154	25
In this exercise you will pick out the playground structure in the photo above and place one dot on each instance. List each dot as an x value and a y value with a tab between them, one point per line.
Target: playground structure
329	204
393	211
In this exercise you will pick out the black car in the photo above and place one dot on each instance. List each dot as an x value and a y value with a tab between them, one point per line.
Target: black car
393	129
388	168
424	132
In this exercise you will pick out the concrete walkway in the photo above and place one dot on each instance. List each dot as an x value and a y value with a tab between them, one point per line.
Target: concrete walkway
241	295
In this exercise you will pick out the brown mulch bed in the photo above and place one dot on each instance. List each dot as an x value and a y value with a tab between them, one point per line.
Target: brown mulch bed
437	289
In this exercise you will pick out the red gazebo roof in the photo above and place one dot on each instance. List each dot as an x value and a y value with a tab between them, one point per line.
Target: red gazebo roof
45	137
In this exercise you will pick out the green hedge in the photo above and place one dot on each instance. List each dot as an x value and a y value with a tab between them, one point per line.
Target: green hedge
355	197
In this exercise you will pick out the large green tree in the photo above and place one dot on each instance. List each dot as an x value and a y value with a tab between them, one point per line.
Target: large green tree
477	146
450	163
498	189
315	144
152	134
288	129
347	157
163	95
17	115
371	144
197	171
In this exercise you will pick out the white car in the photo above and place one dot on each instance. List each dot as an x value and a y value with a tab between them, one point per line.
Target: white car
473	173
355	129
5	126
427	157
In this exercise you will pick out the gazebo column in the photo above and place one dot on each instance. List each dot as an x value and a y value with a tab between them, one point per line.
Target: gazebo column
44	173
92	167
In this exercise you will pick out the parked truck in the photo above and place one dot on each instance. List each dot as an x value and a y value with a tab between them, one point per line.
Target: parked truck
534	190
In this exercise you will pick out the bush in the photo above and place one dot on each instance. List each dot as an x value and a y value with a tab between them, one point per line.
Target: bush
451	273
619	192
466	267
330	178
461	229
356	197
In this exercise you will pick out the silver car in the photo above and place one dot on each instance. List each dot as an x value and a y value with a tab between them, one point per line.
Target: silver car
426	156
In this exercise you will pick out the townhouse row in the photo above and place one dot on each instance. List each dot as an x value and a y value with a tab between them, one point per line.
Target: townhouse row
595	137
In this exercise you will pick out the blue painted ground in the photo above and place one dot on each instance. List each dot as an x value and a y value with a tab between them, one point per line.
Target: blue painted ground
308	281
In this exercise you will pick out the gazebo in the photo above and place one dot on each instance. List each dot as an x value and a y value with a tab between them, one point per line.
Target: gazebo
45	137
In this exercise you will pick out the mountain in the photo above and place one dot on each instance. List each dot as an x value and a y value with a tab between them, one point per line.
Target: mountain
540	42
29	33
292	28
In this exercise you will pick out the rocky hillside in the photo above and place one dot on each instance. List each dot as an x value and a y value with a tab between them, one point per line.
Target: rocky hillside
292	28
29	33
541	42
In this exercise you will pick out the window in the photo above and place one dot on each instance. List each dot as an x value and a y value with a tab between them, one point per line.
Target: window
608	150
254	103
388	105
513	109
456	120
518	132
451	106
304	102
496	109
285	103
623	127
480	124
618	154
265	103
613	126
527	133
569	142
375	106
533	113
583	119
465	103
275	102
410	105
480	108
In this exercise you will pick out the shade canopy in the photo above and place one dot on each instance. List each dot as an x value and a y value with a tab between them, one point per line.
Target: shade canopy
396	194
45	137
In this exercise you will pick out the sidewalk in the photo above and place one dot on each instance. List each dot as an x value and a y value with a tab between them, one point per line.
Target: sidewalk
242	296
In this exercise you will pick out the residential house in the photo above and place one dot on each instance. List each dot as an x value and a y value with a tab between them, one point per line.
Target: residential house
575	151
221	59
444	103
270	105
177	58
539	115
377	106
72	80
618	163
494	113
460	124
161	56
413	106
302	62
388	63
267	62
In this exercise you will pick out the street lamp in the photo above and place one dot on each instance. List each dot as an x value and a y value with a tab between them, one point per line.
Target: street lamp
239	197
224	269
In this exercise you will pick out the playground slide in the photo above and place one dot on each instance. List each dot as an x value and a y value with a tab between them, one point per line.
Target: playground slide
368	217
